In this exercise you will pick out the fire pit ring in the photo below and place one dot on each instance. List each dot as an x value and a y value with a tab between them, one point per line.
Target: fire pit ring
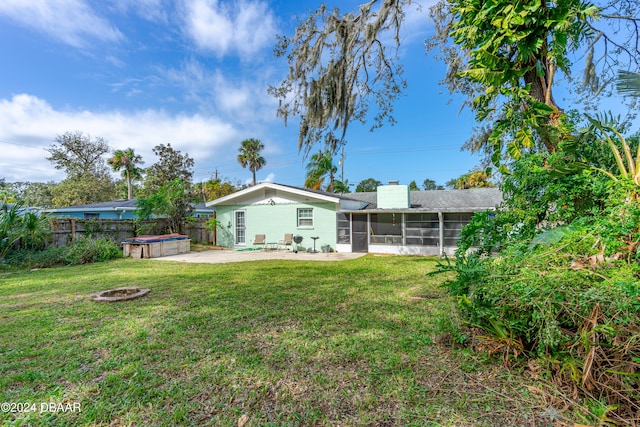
120	294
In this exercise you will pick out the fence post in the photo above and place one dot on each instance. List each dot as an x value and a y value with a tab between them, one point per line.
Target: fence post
73	229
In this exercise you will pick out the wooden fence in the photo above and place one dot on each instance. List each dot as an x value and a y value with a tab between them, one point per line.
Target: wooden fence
66	230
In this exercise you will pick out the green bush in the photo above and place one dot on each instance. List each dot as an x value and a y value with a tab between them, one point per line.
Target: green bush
21	229
537	197
545	297
83	251
30	258
86	251
569	296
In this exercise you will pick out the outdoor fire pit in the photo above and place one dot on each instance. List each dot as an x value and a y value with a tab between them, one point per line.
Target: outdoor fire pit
119	294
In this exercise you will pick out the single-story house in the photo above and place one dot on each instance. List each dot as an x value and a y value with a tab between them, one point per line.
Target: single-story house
116	209
21	209
391	220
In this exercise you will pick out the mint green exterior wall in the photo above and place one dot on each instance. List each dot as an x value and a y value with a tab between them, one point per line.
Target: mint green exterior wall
275	220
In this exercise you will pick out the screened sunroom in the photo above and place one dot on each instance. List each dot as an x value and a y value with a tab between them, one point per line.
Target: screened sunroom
403	222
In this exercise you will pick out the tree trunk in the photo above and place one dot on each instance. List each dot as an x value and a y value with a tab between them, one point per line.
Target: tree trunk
541	89
129	189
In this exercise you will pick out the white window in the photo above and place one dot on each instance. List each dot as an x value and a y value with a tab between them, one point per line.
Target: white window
305	217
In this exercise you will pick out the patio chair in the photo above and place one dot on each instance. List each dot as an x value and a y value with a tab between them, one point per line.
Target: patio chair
260	240
288	241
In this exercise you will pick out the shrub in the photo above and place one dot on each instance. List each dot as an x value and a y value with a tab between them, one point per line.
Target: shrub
570	297
537	197
83	251
86	251
30	258
19	228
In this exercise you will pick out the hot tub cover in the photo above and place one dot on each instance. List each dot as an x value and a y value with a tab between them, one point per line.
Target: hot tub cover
157	238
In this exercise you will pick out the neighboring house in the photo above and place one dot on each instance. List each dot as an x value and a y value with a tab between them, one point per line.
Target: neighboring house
392	220
22	209
116	209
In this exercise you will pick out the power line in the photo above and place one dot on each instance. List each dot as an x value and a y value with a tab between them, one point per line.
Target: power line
22	146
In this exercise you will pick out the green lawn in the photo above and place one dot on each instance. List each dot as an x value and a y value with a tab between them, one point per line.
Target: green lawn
271	343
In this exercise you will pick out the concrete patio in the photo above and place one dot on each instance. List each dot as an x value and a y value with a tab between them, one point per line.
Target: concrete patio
224	256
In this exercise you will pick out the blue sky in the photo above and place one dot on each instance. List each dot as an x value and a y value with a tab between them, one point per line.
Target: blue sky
194	73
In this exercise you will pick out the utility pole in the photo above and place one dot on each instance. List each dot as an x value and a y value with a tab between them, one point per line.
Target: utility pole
341	163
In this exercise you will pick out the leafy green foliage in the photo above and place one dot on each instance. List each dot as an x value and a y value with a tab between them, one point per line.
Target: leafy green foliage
605	129
88	251
6	194
82	190
127	161
341	187
171	165
563	283
471	179
83	251
171	201
367	185
568	303
19	228
79	154
536	198
10	232
38	194
88	179
320	167
214	189
249	156
506	57
430	184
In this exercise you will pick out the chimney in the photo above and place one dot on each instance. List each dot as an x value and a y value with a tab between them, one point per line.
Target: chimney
393	196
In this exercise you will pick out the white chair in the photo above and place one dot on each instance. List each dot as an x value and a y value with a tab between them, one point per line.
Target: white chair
288	241
260	240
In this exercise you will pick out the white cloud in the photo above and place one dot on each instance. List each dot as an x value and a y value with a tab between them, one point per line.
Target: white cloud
29	124
417	22
240	99
73	22
244	27
270	178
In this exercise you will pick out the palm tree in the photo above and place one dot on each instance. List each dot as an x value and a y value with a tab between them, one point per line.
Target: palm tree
250	157
319	167
341	187
127	160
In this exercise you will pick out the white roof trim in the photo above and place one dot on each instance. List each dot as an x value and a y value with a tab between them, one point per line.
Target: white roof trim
108	209
283	188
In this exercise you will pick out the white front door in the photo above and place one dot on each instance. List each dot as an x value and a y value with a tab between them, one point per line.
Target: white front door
240	227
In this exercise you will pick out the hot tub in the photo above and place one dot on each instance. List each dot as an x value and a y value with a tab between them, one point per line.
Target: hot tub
156	246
